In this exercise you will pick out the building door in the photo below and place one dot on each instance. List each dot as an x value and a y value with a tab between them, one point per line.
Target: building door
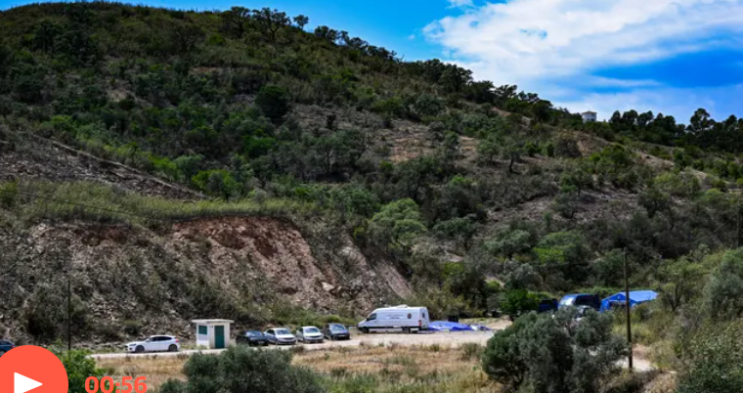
219	337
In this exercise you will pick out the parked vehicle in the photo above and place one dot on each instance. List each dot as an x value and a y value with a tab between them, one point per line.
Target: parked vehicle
581	299
399	318
310	334
280	336
582	312
336	331
547	305
252	338
5	346
155	344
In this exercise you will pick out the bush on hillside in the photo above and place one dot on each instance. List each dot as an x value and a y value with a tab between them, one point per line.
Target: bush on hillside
274	102
397	224
723	295
713	359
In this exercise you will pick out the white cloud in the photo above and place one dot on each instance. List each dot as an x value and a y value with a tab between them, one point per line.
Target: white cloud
532	42
461	3
411	37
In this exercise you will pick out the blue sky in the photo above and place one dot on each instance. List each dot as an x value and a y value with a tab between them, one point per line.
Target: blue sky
669	56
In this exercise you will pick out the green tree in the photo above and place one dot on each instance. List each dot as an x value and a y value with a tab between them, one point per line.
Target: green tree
512	151
511	242
188	166
680	282
712	360
449	149
217	183
489	149
274	102
427	105
546	353
519	275
563	247
301	21
654	201
397	224
436	133
519	301
79	368
270	22
461	229
723	294
502	359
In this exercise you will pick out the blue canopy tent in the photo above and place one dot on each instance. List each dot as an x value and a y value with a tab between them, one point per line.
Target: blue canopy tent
635	298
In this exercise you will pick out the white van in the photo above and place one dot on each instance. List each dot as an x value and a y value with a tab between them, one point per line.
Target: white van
398	318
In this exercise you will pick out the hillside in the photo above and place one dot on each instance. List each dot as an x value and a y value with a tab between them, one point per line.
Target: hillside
175	165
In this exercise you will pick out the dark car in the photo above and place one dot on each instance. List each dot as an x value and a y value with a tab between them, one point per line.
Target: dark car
336	331
252	338
547	305
5	346
581	299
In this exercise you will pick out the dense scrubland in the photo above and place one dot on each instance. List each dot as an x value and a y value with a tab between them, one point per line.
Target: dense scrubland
481	197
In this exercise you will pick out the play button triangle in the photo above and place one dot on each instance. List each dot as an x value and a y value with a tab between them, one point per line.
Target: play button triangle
22	384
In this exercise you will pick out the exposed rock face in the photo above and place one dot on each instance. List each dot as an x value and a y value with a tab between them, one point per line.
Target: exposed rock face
239	268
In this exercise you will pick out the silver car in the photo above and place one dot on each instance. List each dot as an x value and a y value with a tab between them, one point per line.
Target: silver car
310	334
280	336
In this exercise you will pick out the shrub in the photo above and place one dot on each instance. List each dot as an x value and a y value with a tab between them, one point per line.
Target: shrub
79	367
713	359
723	295
553	354
397	224
519	301
511	242
241	369
8	194
471	351
274	102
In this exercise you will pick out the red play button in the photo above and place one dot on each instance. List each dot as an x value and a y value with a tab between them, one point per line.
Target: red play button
32	369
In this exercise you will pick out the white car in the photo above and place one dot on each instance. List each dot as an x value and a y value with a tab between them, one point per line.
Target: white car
310	334
154	344
280	336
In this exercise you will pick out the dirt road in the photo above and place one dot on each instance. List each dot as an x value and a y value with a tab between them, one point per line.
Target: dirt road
423	339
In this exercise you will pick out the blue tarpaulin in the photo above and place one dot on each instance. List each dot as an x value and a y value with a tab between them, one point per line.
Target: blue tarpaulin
635	298
445	326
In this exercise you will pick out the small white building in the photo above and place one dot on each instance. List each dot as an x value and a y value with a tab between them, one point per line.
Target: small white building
589	116
212	333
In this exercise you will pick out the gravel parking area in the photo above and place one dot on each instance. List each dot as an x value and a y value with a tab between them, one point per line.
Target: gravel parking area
452	339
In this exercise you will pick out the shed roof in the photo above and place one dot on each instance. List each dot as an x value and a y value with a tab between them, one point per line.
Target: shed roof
211	321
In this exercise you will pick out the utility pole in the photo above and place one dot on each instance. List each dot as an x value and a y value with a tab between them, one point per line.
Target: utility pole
69	308
627	308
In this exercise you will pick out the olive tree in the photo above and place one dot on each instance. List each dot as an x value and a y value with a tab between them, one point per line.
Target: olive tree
554	354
